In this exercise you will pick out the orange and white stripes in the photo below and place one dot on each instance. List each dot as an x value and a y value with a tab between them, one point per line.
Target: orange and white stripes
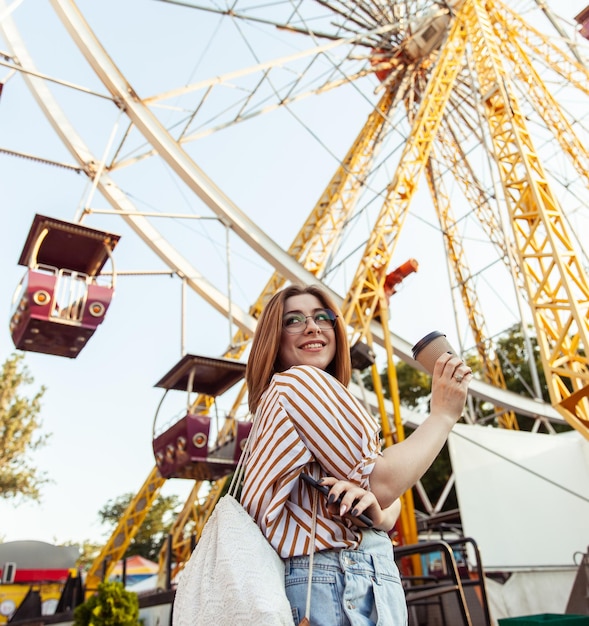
306	421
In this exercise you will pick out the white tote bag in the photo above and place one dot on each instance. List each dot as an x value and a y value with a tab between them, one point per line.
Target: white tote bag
233	577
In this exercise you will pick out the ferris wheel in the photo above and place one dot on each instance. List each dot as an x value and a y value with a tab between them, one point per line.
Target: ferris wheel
336	141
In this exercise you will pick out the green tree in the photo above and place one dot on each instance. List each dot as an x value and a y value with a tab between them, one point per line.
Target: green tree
19	426
112	605
89	551
511	349
158	522
516	366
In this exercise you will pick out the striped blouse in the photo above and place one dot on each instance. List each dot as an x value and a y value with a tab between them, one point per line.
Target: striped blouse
306	421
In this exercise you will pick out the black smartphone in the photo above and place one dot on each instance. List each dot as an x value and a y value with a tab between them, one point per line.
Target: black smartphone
324	489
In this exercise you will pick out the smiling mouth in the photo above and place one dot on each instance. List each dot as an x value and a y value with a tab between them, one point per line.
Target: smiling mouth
313	345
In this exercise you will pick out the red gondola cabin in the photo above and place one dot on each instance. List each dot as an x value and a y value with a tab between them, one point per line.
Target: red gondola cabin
61	299
185	450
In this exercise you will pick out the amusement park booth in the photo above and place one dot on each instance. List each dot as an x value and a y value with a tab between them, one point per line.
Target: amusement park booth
33	576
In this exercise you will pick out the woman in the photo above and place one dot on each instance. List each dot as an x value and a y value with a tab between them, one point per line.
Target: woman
307	421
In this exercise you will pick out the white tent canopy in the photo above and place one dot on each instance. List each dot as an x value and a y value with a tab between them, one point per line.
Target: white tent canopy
524	497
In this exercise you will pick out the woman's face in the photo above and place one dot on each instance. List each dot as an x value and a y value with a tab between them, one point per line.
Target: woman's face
314	345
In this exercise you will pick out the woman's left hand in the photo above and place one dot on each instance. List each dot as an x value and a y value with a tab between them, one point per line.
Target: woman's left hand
354	501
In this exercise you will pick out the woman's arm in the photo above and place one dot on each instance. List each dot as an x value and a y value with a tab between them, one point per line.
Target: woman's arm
403	464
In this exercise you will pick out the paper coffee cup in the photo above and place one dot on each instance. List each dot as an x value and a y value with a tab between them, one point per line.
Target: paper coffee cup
427	350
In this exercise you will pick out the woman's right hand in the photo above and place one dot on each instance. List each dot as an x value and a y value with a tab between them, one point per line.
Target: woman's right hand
450	380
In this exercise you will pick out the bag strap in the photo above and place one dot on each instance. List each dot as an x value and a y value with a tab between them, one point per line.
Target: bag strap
306	620
240	468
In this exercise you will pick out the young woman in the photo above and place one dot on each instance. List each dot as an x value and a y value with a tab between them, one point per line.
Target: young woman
308	422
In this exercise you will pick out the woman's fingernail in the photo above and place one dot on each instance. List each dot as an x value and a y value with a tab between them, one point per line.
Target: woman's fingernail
343	509
354	512
331	499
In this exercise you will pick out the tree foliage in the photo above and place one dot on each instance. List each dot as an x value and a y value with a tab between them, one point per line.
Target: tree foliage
516	366
112	605
19	426
158	522
89	551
